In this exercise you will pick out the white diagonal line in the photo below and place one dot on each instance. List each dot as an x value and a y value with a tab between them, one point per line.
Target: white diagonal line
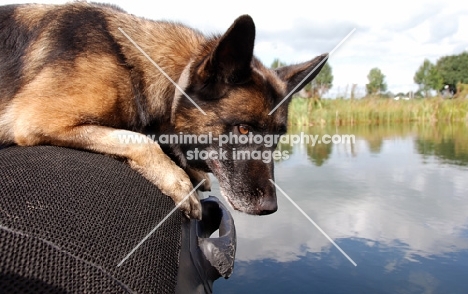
310	220
295	88
161	70
160	223
315	68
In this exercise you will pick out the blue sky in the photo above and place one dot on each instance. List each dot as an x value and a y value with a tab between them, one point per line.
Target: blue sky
395	36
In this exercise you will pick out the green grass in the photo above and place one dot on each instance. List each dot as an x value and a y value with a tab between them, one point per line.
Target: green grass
307	112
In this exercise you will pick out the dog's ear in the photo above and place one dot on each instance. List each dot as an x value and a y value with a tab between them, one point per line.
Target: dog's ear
298	75
228	62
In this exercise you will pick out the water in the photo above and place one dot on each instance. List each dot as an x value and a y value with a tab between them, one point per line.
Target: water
396	202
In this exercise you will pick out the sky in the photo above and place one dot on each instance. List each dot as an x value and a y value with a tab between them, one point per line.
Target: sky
395	36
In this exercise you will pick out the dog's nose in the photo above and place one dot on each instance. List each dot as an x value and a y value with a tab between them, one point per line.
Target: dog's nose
268	205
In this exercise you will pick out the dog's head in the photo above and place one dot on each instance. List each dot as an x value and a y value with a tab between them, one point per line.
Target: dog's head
244	115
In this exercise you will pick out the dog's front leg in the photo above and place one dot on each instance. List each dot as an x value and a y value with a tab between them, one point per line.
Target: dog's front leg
196	176
143	155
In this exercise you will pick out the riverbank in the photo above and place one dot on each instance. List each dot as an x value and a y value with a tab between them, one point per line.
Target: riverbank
307	112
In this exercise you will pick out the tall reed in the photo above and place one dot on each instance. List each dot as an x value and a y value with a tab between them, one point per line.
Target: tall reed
307	112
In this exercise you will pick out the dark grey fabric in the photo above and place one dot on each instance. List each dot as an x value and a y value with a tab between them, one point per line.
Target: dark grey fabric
68	217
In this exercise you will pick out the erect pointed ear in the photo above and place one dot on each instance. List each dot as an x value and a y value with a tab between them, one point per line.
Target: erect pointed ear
298	75
230	60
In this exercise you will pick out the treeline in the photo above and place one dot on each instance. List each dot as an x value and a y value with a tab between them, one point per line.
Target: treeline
448	74
447	77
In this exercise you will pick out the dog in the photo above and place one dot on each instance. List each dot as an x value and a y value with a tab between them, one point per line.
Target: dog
81	75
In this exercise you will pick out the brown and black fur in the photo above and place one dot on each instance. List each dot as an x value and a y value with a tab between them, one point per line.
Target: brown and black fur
69	77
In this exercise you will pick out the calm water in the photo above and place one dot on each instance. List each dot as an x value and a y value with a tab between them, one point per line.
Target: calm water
396	202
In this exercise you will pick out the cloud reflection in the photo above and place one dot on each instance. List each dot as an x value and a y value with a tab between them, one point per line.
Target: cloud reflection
394	198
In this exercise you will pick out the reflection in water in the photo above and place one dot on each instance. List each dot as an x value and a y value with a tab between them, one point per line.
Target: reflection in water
319	154
393	201
447	143
449	150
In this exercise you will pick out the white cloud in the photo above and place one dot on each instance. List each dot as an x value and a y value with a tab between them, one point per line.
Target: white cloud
443	27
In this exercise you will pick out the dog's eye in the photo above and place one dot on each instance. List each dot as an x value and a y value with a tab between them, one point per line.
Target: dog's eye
243	129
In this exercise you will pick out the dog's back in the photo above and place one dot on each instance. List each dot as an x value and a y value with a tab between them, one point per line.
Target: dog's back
70	76
53	58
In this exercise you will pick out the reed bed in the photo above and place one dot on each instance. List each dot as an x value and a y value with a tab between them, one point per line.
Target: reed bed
309	112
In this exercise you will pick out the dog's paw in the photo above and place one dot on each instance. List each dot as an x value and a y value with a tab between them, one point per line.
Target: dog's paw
189	204
177	185
172	181
196	176
206	186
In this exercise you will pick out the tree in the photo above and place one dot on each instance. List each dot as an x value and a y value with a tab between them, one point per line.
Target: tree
428	78
277	63
453	69
376	83
321	83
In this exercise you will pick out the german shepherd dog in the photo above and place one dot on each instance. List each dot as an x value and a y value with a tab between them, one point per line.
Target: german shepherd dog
70	76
